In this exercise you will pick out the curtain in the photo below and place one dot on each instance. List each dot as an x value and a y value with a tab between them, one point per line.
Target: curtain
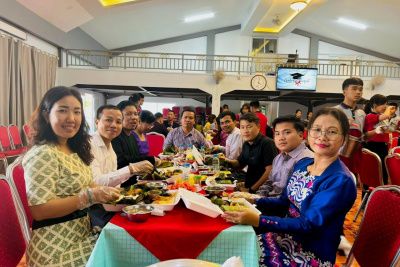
26	74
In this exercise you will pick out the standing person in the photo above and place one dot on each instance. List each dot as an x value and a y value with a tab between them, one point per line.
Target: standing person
211	124
376	131
298	114
255	108
309	115
225	107
125	145
257	153
104	164
288	138
138	100
245	108
59	183
170	123
145	124
158	125
185	135
315	201
234	141
351	152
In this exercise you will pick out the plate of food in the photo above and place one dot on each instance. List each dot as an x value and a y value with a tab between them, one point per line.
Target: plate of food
141	193
223	179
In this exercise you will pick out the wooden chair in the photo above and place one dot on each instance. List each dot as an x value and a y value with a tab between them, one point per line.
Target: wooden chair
370	174
378	239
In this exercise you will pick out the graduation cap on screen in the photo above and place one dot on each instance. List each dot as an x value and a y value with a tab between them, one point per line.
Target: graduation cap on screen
296	76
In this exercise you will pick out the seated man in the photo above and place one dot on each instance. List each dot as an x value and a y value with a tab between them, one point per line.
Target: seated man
288	138
186	134
104	164
234	142
125	145
170	123
258	153
158	126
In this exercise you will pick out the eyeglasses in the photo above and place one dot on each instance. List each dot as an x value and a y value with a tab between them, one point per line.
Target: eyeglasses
331	134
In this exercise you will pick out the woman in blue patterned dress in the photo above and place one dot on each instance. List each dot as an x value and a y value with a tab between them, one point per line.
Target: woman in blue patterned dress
302	227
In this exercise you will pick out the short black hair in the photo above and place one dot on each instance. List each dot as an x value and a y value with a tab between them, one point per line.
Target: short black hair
297	110
188	110
225	106
393	104
227	113
250	117
352	81
255	104
99	111
158	115
147	117
125	103
337	114
211	118
297	123
136	97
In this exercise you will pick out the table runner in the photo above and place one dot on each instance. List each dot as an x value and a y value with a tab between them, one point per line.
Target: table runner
181	233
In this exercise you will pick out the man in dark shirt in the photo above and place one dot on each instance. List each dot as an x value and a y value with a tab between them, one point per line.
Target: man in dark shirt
258	152
125	145
170	123
158	125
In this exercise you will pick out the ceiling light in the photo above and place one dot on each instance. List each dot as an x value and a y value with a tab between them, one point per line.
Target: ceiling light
352	23
298	5
114	2
199	17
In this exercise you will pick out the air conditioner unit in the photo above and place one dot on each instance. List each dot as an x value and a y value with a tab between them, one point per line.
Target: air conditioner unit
8	29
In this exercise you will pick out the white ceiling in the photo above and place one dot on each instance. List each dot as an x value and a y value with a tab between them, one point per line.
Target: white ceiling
151	20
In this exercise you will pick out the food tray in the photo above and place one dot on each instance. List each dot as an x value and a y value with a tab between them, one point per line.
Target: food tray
199	203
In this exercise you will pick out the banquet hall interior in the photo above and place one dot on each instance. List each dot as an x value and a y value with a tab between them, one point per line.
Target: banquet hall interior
212	58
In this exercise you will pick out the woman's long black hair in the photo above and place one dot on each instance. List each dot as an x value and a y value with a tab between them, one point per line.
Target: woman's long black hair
42	133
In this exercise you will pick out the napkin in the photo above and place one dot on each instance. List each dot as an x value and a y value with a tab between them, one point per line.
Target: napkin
233	262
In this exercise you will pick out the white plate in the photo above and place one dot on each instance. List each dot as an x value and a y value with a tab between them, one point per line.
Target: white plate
168	207
185	263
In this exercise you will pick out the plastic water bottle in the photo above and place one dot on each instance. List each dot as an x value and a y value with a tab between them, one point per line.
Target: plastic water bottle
215	163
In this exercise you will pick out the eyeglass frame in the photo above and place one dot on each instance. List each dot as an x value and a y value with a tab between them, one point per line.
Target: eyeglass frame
325	133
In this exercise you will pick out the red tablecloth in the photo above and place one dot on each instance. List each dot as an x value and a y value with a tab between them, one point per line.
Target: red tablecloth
181	233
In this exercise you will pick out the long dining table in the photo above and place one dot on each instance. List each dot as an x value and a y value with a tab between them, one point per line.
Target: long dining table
181	233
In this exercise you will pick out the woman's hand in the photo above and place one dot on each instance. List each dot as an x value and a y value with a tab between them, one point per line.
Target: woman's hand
103	194
246	217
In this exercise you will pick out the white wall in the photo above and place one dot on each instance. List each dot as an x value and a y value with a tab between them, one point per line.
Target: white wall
192	46
288	44
232	43
329	51
40	44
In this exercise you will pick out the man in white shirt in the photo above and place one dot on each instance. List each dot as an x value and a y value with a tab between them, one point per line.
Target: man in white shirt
234	142
104	164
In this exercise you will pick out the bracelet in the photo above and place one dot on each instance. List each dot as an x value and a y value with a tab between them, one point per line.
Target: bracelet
90	196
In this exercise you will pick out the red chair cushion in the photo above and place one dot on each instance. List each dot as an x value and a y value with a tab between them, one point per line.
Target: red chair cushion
393	168
12	243
156	143
379	235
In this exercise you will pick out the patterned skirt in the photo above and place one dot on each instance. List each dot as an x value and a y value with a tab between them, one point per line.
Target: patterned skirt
281	250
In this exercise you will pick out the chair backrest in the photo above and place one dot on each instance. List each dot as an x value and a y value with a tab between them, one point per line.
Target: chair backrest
371	171
12	243
15	176
27	130
395	149
5	138
392	163
156	143
4	164
15	136
378	239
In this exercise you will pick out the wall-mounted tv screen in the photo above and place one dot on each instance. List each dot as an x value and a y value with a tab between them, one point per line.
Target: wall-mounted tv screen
296	79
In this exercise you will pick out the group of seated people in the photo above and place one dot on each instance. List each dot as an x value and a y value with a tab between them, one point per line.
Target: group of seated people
305	193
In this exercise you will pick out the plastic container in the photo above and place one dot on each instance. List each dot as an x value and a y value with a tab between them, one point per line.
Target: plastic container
199	203
215	163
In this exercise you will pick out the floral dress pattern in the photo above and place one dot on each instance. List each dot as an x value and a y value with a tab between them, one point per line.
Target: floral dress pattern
50	174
